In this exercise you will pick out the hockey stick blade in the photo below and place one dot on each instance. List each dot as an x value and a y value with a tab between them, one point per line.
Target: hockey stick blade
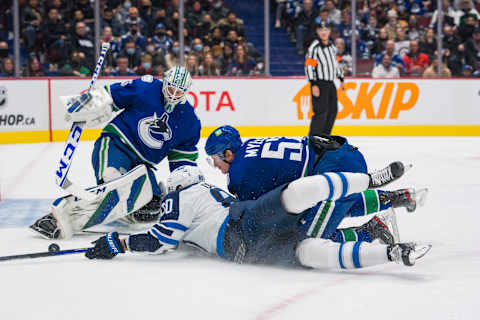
43	254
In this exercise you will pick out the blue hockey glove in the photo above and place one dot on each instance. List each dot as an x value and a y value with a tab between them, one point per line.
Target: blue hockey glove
106	247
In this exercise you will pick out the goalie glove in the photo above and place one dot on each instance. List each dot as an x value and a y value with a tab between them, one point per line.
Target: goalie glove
106	247
93	108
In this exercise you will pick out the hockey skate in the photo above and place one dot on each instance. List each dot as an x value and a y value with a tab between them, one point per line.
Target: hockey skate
407	253
377	228
47	227
390	173
408	198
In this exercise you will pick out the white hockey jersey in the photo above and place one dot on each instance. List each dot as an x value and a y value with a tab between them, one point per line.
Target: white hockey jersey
194	216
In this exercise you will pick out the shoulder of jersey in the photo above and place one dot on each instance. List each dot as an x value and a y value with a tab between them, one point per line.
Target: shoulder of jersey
314	43
188	110
150	81
175	193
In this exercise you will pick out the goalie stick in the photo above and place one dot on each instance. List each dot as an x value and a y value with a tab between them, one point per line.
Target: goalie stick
73	140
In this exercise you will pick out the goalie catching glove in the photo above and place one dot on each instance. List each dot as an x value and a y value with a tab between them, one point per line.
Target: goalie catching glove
93	108
106	247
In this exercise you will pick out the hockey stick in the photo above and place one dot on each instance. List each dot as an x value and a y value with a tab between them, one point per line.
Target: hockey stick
73	140
104	232
43	254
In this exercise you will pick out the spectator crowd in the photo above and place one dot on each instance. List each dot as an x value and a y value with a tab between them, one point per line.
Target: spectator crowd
396	37
57	38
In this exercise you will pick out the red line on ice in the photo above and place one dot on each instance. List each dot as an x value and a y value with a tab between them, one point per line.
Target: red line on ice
269	313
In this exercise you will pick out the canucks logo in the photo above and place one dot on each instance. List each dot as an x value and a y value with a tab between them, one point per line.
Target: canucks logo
154	131
3	96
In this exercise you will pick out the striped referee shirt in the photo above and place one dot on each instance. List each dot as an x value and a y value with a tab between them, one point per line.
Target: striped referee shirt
321	62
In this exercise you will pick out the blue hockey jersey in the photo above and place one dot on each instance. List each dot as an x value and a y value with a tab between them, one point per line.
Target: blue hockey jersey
265	163
147	129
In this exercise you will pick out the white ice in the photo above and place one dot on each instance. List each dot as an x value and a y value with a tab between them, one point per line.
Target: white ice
445	284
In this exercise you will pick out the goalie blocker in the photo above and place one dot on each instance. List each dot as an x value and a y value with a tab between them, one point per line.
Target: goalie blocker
129	194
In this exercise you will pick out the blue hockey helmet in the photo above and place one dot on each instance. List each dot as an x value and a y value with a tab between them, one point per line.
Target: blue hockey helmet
221	139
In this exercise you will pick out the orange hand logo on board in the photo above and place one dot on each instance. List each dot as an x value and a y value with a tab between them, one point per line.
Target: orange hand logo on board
405	98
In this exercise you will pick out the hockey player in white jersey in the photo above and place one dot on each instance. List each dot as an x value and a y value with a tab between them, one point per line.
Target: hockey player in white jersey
256	231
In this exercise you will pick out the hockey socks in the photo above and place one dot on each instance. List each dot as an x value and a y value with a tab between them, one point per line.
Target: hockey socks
368	202
304	193
321	253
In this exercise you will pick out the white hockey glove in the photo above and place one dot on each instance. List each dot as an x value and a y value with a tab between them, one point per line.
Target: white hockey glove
94	107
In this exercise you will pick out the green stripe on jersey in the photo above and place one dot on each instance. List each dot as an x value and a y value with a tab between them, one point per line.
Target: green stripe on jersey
103	155
349	234
370	201
321	218
178	156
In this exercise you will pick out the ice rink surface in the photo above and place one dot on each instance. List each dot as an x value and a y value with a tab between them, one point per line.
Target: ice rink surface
443	285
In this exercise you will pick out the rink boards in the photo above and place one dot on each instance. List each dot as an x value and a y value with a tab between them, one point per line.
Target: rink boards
30	110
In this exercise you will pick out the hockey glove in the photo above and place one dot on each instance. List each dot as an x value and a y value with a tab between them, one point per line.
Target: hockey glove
106	247
94	107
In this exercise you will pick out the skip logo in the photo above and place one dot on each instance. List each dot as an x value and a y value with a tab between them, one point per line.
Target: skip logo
154	131
371	100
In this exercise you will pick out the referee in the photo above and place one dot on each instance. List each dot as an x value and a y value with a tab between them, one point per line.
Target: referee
322	69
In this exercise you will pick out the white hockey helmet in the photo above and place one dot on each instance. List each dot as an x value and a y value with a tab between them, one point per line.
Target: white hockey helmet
183	177
176	82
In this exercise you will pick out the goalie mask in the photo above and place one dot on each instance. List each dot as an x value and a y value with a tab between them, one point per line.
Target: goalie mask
183	177
176	82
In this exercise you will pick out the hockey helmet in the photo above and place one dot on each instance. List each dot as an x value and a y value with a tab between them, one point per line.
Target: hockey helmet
221	139
176	82
184	176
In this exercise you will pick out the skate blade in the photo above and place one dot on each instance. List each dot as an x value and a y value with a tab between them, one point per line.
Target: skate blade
421	196
390	219
421	250
38	233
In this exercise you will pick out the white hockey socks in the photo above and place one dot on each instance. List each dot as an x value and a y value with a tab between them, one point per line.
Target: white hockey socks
321	253
306	192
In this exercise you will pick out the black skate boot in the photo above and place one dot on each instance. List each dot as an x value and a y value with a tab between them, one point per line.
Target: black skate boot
47	227
377	229
390	173
408	198
407	253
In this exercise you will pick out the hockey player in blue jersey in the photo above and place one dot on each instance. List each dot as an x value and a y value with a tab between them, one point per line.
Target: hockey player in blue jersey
156	123
255	231
261	164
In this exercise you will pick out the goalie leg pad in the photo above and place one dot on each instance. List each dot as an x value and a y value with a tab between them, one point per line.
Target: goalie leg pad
116	199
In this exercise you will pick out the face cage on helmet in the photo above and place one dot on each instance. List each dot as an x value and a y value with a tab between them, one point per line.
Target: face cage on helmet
173	98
